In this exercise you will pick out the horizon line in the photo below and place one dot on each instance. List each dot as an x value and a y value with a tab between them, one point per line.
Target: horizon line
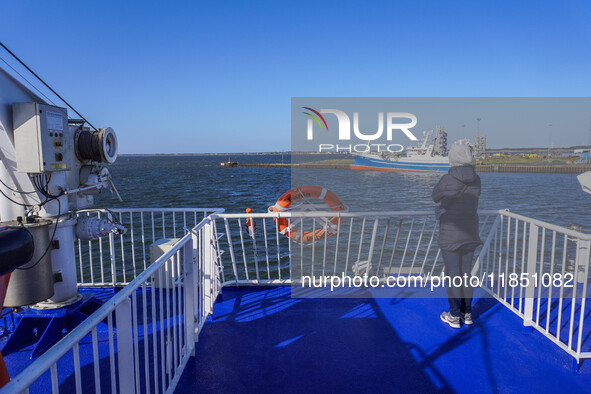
324	153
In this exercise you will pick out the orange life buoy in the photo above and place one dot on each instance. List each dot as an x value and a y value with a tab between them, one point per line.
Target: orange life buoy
251	225
302	192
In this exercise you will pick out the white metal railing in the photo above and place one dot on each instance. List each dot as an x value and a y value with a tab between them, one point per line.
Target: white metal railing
150	326
540	271
404	243
376	243
115	260
143	336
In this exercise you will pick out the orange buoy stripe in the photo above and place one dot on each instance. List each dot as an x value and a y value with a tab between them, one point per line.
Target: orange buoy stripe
299	193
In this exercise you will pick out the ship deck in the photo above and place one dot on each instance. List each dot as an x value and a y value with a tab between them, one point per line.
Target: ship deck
259	336
261	339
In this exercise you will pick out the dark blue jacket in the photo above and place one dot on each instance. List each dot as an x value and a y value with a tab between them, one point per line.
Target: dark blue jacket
458	227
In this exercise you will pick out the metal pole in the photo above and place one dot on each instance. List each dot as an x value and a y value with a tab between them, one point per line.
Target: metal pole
532	257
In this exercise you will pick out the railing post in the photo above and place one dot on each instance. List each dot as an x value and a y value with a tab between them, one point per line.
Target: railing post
215	263
208	282
197	276
188	293
112	254
532	260
372	245
486	247
582	269
125	347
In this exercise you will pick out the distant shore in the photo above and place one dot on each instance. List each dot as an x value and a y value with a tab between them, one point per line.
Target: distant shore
223	154
343	164
488	150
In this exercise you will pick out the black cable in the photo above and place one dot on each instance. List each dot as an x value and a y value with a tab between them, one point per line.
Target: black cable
14	190
59	205
25	79
15	202
44	83
39	185
46	187
37	182
48	197
31	210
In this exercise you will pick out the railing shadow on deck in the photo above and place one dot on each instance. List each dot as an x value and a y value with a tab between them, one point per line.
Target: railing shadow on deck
218	252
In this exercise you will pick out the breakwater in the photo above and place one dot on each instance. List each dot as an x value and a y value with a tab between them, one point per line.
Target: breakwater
539	168
299	165
524	168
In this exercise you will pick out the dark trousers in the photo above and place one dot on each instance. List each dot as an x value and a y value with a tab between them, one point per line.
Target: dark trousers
458	263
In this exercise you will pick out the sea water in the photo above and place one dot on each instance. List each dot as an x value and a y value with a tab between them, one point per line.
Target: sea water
200	181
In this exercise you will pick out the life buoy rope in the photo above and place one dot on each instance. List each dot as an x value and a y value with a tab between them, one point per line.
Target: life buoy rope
251	225
284	203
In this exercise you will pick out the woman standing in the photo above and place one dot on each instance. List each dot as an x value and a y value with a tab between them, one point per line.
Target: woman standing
457	193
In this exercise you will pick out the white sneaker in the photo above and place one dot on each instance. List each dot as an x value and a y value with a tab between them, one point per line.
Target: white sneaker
467	318
453	321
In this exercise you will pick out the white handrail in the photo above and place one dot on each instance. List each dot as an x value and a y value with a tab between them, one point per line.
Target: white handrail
533	263
260	260
344	214
116	259
546	225
212	210
22	381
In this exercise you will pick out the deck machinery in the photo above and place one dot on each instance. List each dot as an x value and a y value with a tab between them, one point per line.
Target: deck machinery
51	167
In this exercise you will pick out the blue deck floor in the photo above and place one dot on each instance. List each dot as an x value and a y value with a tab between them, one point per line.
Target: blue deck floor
262	340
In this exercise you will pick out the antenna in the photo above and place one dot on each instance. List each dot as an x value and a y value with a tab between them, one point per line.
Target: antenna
589	137
549	142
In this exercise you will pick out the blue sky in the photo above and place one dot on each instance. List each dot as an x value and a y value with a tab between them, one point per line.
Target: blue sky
187	76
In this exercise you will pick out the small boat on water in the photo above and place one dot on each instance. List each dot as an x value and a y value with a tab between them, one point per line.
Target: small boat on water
426	156
229	163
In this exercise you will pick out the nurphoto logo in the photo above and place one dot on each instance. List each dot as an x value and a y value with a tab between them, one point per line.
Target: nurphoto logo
395	121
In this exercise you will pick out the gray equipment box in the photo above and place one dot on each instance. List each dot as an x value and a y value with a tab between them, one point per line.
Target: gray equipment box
41	138
170	274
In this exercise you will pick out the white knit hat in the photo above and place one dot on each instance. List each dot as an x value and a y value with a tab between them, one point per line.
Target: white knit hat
460	155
